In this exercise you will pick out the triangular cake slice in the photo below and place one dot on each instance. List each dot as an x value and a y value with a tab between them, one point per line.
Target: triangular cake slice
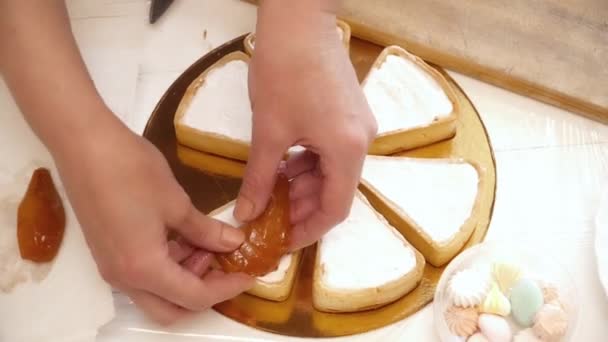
433	202
210	163
214	115
275	285
363	263
413	103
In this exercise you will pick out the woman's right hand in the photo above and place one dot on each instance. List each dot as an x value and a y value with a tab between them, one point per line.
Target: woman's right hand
126	199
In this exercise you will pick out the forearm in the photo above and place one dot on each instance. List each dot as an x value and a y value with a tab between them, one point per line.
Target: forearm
42	66
302	5
296	20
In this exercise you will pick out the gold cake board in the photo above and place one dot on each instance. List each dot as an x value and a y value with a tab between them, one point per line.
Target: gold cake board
212	181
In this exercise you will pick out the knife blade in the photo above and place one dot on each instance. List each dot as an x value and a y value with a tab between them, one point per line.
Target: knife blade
158	8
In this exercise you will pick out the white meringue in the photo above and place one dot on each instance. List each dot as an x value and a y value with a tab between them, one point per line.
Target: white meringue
468	287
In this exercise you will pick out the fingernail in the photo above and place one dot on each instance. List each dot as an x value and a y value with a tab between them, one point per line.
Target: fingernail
282	167
232	237
244	209
198	262
192	261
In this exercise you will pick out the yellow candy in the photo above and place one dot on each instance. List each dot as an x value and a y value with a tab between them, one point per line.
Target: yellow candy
506	275
496	302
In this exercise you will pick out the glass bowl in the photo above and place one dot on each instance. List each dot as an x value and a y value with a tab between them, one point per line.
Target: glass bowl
541	268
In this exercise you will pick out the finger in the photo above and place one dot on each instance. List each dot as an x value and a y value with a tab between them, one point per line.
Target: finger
198	263
260	175
179	250
223	286
301	162
180	286
302	208
304	185
156	308
340	180
209	234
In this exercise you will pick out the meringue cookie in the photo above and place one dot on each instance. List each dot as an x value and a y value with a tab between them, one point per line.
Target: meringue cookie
453	338
468	287
526	335
496	303
526	300
550	323
550	293
478	337
461	321
506	275
495	328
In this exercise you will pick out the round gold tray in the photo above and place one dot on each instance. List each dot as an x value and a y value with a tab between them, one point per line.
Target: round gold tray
212	181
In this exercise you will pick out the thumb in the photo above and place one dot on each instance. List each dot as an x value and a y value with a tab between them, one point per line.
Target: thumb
260	175
212	235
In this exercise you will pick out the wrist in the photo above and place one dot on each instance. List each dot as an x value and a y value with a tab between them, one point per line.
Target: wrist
86	136
296	18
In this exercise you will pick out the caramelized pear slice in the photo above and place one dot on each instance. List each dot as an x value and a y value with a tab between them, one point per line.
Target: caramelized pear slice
266	237
40	219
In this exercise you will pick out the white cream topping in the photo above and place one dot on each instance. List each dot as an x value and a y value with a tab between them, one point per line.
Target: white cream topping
438	195
276	276
402	95
221	105
363	251
279	274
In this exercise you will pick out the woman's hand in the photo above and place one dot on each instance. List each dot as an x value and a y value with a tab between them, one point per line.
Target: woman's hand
127	200
304	91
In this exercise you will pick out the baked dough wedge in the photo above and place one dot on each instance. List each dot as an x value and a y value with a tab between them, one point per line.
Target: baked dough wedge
433	202
363	263
214	116
342	28
413	103
276	285
210	163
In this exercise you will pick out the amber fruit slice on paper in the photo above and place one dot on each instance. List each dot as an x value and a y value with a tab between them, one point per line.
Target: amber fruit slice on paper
40	219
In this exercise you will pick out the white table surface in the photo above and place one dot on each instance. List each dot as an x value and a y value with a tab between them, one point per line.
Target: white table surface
552	165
